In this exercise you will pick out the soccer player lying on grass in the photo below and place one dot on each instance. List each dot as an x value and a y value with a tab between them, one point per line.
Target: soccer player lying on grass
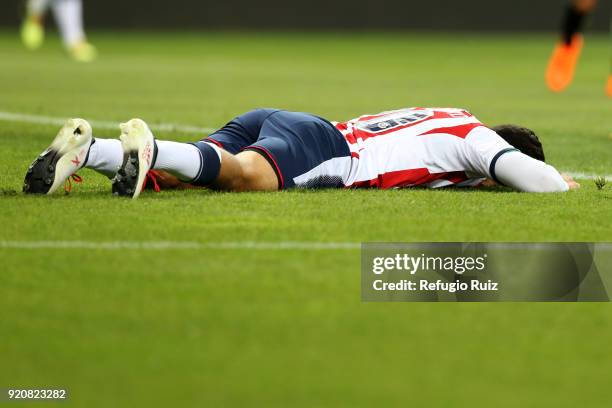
269	150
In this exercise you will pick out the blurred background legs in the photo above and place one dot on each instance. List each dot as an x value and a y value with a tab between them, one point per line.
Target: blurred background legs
609	82
69	18
32	29
562	64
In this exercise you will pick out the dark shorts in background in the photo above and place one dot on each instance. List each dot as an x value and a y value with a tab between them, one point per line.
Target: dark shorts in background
294	143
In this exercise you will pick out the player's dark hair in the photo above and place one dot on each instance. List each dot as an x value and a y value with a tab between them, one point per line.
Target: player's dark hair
522	138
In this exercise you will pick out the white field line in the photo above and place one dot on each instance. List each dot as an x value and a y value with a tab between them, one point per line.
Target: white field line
102	124
172	245
588	176
175	127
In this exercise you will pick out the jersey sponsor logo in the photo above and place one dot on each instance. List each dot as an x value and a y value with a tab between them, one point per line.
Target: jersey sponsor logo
394	120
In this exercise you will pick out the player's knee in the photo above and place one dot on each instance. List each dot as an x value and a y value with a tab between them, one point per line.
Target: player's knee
256	174
249	180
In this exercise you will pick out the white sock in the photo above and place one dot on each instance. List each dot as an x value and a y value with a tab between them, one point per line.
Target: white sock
182	160
105	156
69	18
37	7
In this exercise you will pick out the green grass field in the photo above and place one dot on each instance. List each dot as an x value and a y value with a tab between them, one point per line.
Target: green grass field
268	326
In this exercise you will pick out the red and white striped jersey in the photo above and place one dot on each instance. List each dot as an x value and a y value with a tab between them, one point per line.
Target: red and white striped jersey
433	147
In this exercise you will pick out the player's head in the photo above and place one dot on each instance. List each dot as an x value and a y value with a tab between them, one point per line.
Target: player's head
522	138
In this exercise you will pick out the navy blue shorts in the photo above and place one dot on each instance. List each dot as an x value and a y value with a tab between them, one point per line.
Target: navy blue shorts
299	146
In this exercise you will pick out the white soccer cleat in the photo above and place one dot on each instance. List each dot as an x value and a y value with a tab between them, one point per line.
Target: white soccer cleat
139	152
32	33
66	155
83	52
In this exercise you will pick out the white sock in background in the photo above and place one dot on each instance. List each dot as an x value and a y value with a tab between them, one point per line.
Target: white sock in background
105	156
69	18
37	7
182	160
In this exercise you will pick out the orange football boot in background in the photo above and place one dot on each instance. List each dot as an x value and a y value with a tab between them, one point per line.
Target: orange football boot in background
562	64
609	86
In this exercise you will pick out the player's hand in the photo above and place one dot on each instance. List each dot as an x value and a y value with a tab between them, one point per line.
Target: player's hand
486	183
573	185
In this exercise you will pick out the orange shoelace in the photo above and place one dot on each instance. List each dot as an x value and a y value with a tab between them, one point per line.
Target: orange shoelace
68	184
151	175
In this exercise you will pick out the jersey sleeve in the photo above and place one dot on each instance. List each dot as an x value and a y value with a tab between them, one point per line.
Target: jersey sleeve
524	173
484	148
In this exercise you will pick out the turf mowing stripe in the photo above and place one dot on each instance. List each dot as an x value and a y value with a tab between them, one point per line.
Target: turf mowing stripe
170	245
101	124
174	127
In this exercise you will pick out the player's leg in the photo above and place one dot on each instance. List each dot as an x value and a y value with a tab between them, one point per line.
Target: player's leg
241	131
73	148
69	18
105	156
573	20
203	164
609	82
562	64
246	171
32	28
292	150
200	164
304	151
232	138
